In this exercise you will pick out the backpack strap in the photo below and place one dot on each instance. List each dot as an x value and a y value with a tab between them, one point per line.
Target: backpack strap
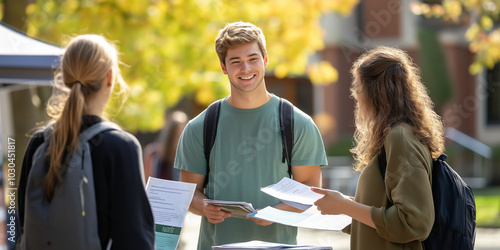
87	134
47	132
209	132
382	162
96	129
84	137
286	128
442	157
382	165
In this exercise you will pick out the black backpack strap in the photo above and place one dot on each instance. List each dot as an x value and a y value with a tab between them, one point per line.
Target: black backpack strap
382	165
209	132
286	127
382	162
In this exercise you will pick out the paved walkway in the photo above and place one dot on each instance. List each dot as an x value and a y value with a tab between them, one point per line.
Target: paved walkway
486	239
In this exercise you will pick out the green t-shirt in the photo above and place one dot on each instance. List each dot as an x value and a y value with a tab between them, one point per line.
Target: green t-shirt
247	155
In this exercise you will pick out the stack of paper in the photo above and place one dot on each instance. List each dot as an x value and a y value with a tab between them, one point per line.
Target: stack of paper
294	194
265	245
237	209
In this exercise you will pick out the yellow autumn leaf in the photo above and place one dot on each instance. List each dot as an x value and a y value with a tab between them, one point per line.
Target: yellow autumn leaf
426	10
437	10
322	73
453	8
173	95
493	52
280	71
30	9
486	22
489	62
475	68
204	95
325	122
495	37
472	32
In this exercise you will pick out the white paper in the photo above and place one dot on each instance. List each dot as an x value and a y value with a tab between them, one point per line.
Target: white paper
293	193
251	245
313	221
260	245
169	202
245	205
238	209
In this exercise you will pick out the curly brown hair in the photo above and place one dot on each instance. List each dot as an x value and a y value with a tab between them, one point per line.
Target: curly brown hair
388	91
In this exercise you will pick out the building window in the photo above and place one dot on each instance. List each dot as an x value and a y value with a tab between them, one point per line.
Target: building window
296	90
493	96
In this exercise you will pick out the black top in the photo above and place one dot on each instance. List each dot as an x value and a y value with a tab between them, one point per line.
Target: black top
123	210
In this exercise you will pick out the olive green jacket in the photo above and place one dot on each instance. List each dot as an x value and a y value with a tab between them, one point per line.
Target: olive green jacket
407	185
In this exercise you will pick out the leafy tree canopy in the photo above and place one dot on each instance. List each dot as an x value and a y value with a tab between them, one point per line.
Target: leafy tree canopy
167	46
482	34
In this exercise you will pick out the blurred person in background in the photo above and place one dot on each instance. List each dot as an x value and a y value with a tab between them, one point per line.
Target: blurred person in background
159	155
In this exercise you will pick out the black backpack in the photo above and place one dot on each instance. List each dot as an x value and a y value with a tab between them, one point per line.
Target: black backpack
286	127
454	206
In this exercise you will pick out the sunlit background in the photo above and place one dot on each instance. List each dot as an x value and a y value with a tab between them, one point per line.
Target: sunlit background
169	61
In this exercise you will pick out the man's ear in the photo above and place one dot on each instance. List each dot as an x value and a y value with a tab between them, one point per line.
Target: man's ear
223	67
266	60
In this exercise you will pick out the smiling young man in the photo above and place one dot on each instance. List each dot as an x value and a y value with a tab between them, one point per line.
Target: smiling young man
247	153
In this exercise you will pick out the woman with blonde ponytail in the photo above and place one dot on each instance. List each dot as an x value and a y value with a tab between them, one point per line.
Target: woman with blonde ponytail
88	73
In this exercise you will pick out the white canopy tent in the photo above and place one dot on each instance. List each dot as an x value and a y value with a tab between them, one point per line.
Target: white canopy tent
24	62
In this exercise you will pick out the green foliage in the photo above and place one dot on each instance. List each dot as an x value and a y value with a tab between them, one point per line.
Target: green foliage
168	45
488	207
483	36
434	71
341	147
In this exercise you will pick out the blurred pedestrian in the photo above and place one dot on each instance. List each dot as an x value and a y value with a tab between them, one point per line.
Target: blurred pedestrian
159	155
395	115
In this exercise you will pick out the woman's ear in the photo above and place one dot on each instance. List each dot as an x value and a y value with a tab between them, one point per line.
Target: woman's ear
109	78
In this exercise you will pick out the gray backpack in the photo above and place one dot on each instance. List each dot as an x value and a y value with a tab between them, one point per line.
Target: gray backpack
69	221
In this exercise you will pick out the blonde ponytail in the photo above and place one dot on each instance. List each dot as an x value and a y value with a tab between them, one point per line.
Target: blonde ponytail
83	71
65	137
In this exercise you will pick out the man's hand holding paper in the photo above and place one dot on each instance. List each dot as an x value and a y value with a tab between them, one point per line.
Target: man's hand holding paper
214	214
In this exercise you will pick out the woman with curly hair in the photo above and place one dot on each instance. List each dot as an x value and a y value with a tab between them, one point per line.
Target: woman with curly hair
394	114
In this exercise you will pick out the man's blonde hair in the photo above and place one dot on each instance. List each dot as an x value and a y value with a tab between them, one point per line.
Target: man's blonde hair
236	34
